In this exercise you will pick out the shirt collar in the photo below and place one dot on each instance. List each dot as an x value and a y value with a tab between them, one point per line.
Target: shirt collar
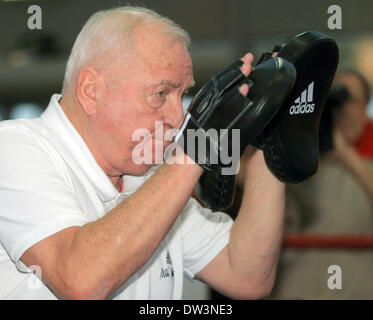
77	150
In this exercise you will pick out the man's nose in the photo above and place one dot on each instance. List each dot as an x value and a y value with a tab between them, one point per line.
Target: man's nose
174	114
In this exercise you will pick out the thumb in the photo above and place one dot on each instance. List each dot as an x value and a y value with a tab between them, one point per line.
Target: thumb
244	89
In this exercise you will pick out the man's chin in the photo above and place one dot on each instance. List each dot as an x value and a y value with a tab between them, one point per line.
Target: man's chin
139	169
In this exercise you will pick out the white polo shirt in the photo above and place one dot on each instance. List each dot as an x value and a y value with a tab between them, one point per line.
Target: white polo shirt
49	181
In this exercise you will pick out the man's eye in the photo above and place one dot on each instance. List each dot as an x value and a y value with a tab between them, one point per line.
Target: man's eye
161	94
156	100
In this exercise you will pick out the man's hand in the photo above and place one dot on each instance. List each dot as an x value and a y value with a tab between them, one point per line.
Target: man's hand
247	59
245	119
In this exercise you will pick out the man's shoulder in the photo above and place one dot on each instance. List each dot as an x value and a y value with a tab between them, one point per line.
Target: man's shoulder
20	128
22	140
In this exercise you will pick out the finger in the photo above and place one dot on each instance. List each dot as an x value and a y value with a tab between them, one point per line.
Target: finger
244	89
246	69
248	58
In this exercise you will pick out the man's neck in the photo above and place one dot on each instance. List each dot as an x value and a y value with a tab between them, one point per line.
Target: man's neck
76	118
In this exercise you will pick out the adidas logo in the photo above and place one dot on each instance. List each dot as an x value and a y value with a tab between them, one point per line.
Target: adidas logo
304	103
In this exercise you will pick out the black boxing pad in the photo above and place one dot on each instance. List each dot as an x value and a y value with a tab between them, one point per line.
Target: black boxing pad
271	81
290	142
337	97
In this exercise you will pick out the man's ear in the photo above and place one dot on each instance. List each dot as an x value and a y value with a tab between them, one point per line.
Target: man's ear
86	89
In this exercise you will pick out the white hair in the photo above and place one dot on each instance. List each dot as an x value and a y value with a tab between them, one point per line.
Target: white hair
110	30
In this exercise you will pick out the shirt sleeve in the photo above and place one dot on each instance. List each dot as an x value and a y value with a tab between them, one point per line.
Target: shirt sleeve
36	201
205	234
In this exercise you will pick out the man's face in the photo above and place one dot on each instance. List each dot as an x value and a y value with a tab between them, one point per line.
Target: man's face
146	93
352	118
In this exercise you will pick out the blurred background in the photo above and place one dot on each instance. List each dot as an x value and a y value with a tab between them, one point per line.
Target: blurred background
32	62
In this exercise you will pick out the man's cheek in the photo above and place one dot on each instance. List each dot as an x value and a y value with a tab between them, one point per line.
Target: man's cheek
149	151
106	121
141	146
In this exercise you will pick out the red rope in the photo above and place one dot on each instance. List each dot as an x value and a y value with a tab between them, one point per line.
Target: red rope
337	241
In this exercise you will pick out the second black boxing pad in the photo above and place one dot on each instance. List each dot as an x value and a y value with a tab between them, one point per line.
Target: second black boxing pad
290	142
270	81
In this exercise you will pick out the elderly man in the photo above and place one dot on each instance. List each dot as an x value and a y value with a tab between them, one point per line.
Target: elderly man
91	222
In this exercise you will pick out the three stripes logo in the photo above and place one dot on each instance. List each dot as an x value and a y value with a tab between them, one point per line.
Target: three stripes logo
304	103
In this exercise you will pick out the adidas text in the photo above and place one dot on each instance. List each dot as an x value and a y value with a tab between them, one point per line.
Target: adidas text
304	103
302	108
